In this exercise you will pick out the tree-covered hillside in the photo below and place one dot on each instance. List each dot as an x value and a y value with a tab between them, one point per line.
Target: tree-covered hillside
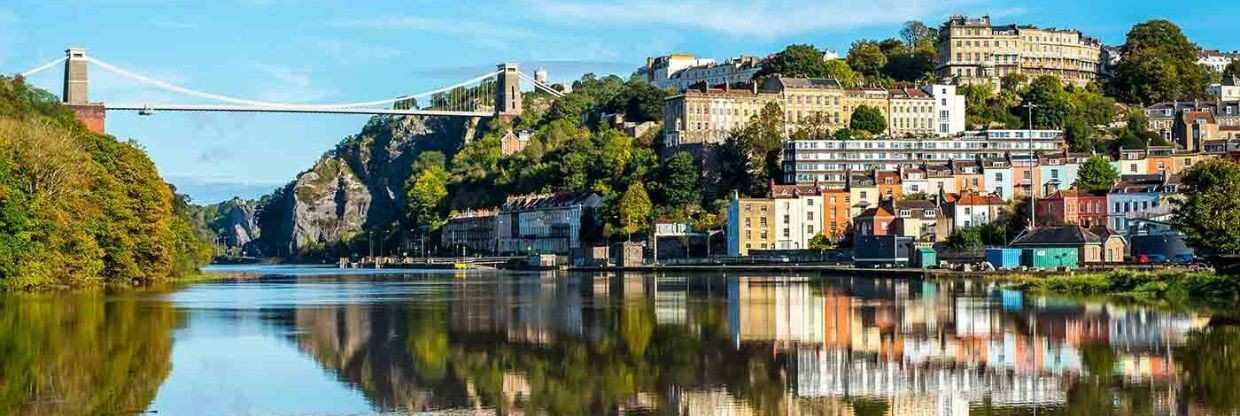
79	208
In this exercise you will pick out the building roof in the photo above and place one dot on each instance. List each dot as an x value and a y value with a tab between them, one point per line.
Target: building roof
938	171
1075	193
793	191
473	213
876	212
907	93
1194	116
545	201
974	199
1232	81
1057	236
820	83
958	166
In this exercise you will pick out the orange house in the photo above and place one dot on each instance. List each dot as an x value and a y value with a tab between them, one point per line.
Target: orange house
889	186
875	221
968	176
835	217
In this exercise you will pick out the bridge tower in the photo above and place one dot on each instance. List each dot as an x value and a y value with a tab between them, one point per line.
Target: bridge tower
77	88
508	91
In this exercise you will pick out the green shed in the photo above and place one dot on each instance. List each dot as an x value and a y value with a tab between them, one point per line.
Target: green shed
1050	257
925	258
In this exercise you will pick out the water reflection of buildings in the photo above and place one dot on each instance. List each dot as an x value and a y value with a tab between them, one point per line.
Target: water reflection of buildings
921	347
946	344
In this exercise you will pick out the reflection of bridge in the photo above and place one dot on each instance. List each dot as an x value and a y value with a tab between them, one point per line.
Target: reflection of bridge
497	93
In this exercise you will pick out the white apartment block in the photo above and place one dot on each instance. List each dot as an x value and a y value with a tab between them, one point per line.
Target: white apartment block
681	71
807	161
1216	59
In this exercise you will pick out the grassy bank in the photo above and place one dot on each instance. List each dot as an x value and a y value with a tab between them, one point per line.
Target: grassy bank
1167	286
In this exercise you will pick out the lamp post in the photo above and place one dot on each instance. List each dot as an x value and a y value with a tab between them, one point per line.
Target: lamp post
1033	208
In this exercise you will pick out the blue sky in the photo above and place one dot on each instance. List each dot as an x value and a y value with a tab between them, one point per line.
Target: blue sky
313	51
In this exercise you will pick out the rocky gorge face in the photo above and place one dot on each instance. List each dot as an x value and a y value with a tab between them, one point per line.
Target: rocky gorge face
237	225
355	187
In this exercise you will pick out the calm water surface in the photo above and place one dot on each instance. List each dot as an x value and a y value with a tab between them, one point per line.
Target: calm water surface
315	341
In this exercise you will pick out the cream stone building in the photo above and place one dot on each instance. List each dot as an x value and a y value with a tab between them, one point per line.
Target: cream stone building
707	116
972	51
804	98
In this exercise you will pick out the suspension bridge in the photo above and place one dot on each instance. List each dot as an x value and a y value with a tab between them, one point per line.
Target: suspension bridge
496	93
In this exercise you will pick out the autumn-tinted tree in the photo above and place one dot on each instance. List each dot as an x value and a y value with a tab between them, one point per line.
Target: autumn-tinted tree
426	190
1159	64
634	210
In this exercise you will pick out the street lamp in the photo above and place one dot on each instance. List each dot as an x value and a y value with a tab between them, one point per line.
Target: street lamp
1033	208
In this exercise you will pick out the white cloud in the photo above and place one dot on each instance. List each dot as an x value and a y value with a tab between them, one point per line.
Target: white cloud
350	52
764	19
454	26
296	77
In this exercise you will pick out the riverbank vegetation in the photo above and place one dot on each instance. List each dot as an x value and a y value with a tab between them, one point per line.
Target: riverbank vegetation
79	208
1163	286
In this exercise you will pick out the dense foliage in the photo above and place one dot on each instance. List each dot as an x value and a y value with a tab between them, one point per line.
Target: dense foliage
82	354
1159	64
1096	174
78	208
868	119
807	61
1209	215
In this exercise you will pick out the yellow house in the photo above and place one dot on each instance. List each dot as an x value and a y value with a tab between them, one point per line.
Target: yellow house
751	225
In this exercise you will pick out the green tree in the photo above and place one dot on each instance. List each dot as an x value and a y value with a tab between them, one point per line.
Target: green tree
634	210
1080	134
1096	174
1232	69
966	238
840	71
844	134
1159	64
1052	103
639	101
917	35
870	119
1092	106
681	181
801	60
1209	213
820	243
426	190
866	57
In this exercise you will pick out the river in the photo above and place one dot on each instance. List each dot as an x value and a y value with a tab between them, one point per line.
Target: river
304	340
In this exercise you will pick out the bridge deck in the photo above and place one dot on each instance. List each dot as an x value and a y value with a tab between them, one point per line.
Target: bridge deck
304	110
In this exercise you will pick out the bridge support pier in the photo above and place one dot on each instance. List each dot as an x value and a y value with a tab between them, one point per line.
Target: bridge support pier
508	91
76	92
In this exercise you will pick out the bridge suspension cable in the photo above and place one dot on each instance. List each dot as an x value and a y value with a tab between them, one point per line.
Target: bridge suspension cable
43	67
242	101
539	85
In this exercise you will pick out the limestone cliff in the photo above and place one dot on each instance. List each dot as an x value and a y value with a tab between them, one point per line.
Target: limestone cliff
355	187
237	225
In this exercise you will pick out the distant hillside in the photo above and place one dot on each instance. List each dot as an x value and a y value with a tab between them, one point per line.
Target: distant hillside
78	208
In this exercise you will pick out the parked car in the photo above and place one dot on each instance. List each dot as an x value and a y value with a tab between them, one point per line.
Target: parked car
1157	258
1141	259
1184	258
